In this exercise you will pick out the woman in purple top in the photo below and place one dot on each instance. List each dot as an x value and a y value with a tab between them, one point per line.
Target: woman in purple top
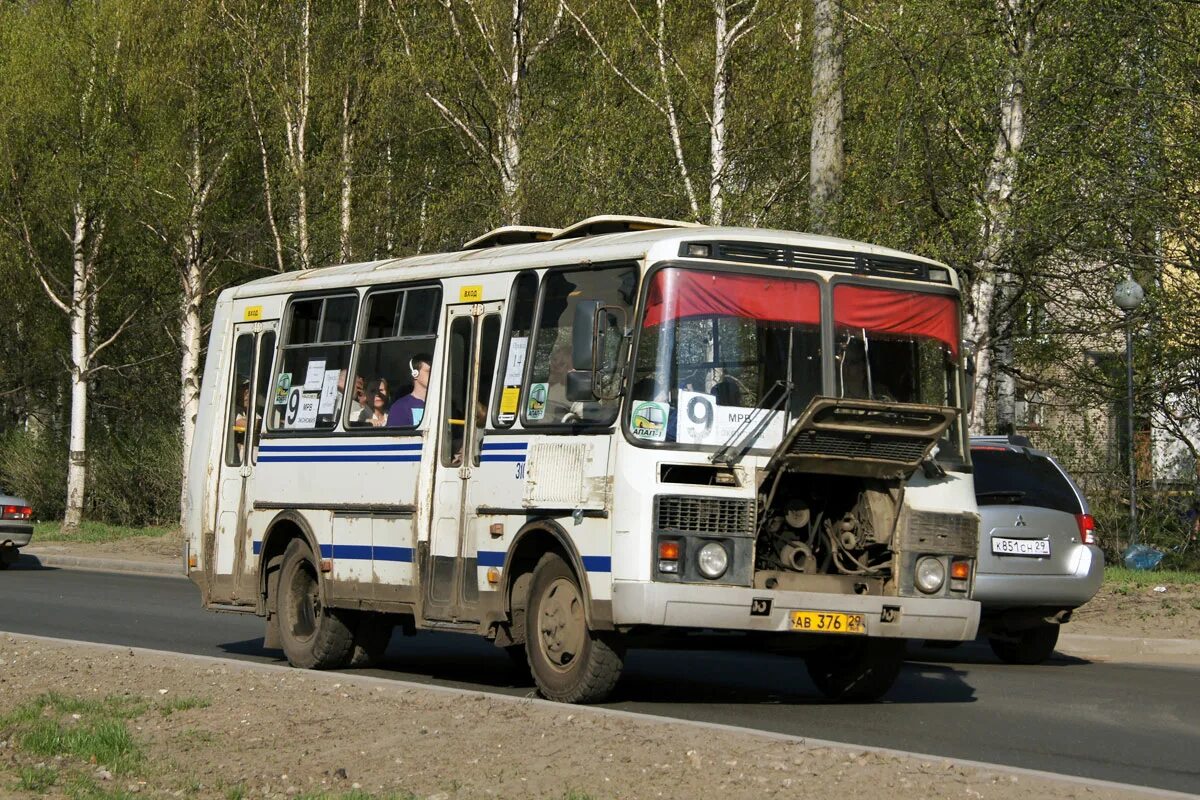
409	409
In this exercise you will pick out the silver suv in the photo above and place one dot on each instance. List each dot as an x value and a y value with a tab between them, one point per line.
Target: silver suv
16	527
1038	558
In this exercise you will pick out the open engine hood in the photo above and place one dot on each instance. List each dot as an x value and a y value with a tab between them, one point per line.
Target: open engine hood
865	438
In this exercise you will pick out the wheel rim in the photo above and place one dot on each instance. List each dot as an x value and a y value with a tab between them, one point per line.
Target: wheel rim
561	624
305	602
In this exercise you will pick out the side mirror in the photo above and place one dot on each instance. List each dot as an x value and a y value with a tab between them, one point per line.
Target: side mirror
583	335
579	386
598	350
969	351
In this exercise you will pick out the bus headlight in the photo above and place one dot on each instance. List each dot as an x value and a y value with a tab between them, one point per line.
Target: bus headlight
930	574
713	560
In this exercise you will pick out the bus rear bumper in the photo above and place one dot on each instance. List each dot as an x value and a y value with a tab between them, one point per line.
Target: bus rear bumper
747	609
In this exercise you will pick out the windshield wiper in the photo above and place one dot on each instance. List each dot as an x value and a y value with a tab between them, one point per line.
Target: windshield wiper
760	425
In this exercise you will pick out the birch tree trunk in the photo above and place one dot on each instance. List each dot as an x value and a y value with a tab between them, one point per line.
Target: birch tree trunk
720	91
349	124
510	124
988	268
826	156
78	317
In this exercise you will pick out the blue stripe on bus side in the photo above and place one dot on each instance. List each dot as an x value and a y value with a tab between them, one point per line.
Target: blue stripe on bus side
342	457
327	448
359	552
484	457
505	446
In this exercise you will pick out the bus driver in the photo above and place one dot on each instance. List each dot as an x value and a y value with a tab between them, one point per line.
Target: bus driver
407	411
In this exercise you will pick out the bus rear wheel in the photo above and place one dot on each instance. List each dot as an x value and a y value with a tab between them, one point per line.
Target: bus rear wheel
858	671
313	637
569	662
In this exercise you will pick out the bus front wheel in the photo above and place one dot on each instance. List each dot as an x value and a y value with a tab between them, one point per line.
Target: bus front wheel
313	637
569	662
856	671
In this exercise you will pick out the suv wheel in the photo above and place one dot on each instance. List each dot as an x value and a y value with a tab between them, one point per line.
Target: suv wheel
1030	646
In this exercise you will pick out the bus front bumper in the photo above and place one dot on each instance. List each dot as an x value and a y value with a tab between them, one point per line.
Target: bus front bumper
745	609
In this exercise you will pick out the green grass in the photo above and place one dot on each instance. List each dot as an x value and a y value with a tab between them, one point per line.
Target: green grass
1120	576
353	795
93	532
92	731
36	779
183	704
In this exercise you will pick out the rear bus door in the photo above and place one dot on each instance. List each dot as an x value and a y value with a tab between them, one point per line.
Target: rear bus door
248	388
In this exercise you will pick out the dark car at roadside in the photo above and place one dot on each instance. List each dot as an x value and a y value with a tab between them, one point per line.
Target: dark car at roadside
1038	554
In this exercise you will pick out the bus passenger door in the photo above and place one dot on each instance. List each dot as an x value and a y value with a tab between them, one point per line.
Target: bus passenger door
250	375
451	585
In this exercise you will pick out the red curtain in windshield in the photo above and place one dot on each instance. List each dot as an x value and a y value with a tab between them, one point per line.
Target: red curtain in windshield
679	294
890	311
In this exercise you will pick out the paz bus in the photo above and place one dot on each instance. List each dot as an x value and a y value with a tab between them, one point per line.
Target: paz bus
573	441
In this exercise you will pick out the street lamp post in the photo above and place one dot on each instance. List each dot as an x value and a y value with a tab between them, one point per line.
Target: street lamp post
1128	295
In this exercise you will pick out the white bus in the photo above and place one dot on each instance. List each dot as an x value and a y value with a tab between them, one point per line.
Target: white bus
570	441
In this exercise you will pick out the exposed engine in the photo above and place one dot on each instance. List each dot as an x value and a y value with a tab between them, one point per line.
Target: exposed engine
827	525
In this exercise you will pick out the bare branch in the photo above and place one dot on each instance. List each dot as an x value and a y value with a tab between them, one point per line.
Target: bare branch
116	334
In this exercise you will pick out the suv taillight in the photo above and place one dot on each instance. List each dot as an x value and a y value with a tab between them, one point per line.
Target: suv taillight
16	512
1087	528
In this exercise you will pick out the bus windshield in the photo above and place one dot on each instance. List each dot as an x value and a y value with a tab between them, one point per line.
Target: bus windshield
717	352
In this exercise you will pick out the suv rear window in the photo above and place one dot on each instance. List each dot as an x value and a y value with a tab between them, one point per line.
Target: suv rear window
1009	476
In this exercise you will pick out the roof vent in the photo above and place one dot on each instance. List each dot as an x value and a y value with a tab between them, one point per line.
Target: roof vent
510	234
598	226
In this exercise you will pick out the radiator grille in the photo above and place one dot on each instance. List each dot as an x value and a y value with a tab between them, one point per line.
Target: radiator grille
704	515
906	449
933	532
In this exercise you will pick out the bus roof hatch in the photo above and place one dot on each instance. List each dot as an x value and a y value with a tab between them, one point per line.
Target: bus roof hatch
510	234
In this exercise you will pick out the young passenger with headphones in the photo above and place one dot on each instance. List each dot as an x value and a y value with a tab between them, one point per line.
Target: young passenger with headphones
407	411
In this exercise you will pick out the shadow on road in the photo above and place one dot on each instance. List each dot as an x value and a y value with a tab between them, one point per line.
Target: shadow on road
979	652
725	676
29	562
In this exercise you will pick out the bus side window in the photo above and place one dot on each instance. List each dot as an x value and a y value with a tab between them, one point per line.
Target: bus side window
454	412
391	373
239	401
521	306
546	394
313	361
262	387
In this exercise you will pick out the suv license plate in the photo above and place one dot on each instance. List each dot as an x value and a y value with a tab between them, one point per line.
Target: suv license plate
827	622
1020	547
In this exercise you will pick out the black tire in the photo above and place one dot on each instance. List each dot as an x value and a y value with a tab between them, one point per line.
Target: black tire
1030	646
8	556
372	634
313	637
858	671
569	662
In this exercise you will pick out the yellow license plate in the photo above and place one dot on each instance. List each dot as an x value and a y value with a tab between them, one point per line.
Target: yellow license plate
827	622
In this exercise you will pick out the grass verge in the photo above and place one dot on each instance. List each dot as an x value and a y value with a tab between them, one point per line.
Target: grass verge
93	532
1120	576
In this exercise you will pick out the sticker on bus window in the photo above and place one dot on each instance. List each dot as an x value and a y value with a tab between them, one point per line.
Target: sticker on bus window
315	375
301	409
648	421
702	420
516	360
282	387
329	391
510	398
537	400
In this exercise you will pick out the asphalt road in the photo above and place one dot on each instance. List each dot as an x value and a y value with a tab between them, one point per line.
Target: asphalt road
1132	724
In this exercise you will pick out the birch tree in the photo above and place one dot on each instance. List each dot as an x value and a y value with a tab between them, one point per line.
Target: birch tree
826	156
497	45
991	281
57	209
732	22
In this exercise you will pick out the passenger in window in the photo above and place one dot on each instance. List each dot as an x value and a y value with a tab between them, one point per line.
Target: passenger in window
409	409
358	399
375	412
243	408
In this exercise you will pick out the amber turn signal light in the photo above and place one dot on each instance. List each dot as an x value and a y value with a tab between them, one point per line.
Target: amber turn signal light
960	570
668	551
